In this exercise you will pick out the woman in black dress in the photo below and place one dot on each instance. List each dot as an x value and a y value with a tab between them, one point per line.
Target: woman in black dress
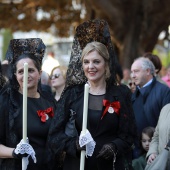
110	115
40	107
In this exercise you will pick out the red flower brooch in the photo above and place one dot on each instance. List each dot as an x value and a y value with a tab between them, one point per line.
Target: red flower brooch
111	107
45	114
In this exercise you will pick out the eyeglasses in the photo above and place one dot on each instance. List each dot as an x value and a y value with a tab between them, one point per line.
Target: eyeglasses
130	84
54	76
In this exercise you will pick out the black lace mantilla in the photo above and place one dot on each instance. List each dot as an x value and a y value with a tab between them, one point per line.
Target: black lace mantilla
24	46
92	30
2	78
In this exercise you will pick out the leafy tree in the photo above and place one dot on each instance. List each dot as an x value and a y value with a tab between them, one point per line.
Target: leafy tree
7	36
134	25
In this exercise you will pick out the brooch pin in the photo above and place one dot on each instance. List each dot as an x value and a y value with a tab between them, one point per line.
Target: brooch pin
110	110
111	107
45	114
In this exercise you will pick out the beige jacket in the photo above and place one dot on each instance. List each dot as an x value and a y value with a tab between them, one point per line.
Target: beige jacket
162	133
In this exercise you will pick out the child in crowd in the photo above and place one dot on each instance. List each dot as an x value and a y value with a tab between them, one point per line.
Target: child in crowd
146	137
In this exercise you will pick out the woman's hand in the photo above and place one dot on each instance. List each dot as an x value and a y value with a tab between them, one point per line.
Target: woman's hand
24	149
78	146
107	151
151	158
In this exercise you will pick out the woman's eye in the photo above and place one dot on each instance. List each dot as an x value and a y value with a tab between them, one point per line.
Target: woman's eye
96	61
20	71
86	62
30	70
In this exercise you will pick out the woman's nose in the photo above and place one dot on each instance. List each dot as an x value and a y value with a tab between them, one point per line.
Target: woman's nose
91	65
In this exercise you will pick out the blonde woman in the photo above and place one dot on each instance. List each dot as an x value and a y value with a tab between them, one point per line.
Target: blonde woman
58	79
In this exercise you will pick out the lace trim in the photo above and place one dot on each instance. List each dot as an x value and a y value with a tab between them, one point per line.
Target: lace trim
23	148
86	139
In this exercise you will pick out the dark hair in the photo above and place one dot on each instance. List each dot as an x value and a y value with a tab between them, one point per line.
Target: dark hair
32	57
119	70
12	78
155	60
148	131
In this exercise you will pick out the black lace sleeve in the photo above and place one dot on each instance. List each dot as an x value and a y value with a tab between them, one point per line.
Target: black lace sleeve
58	140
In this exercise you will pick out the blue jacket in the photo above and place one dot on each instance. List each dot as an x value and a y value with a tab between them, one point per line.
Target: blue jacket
148	102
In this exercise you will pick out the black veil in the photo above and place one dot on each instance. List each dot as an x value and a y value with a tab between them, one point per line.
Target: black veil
91	30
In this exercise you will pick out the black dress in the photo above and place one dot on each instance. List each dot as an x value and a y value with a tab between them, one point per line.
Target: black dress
37	131
113	128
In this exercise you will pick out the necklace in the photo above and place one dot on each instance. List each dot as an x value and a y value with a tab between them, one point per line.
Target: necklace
97	91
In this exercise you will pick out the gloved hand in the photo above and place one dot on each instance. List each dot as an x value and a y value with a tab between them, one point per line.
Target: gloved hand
78	146
107	151
24	150
19	155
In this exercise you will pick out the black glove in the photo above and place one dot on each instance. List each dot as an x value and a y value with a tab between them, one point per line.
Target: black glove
78	146
107	151
18	156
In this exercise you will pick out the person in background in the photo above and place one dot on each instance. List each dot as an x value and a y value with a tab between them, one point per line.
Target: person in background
132	86
49	63
126	76
161	136
145	139
5	67
40	112
166	78
58	79
149	98
157	63
45	82
112	128
119	73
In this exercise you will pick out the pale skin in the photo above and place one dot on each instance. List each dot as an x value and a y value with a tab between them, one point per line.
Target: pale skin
94	69
139	75
132	86
33	78
146	140
58	82
151	158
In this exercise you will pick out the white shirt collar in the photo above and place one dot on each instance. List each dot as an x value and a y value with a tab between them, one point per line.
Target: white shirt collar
147	84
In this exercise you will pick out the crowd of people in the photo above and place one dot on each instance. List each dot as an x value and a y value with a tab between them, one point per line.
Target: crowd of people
128	108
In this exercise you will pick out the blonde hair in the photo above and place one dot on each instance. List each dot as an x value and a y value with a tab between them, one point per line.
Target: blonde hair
101	49
63	70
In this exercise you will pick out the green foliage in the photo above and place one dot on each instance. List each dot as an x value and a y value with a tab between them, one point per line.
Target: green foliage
163	55
7	36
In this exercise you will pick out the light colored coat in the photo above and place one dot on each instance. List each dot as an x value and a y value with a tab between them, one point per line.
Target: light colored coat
162	133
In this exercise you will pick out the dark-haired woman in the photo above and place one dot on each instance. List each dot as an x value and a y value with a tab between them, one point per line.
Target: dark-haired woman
40	108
